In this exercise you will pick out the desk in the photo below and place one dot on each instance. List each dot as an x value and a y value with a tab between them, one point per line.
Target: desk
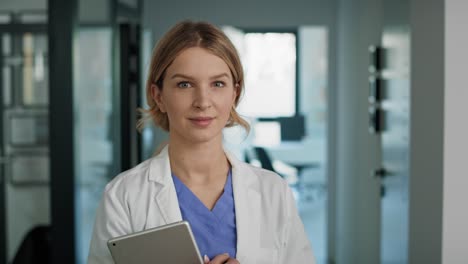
301	166
304	152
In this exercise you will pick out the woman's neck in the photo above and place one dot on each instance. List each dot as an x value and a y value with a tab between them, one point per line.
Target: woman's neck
198	163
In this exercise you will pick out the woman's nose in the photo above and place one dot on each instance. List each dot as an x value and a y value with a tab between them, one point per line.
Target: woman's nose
202	98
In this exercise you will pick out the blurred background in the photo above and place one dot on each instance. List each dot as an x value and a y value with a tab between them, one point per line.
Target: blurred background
350	101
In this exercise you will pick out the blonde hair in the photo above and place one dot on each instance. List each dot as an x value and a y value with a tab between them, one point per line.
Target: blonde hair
184	35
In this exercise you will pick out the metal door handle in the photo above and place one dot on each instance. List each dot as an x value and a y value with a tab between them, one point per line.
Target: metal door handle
381	173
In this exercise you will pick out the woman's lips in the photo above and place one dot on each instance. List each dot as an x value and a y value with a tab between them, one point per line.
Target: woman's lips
201	121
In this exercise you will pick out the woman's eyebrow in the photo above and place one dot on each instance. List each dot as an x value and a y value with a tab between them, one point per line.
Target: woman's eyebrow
182	76
220	76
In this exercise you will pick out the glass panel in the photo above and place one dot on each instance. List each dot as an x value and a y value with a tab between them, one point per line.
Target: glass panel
310	160
35	70
93	95
6	85
28	130
396	40
31	169
26	138
6	44
6	69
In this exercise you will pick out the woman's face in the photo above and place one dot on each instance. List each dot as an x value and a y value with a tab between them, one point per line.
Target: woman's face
198	94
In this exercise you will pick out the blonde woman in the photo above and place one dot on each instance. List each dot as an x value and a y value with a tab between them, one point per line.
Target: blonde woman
238	213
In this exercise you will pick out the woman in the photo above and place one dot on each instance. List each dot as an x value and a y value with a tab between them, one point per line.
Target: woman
238	213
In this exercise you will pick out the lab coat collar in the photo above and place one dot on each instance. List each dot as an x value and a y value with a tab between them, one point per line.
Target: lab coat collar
246	199
166	195
160	169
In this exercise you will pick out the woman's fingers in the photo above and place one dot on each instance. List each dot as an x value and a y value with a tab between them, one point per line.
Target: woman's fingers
232	261
220	259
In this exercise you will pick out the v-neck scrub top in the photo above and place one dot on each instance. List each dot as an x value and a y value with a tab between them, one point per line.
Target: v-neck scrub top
215	230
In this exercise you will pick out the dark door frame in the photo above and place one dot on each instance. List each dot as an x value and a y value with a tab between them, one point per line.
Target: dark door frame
62	18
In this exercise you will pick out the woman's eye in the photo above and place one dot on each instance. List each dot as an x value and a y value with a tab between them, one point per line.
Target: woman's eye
219	84
183	85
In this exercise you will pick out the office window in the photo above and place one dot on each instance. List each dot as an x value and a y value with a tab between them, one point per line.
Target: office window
269	60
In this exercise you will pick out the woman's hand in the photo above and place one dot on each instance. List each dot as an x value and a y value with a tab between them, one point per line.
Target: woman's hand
220	259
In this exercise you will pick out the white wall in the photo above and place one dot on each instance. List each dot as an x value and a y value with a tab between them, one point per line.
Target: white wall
357	193
426	131
161	15
455	213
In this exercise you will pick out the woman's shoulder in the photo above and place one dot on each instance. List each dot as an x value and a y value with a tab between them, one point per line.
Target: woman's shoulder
263	177
273	190
262	173
131	179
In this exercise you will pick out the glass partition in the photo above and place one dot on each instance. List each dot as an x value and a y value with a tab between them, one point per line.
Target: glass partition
24	146
93	93
287	111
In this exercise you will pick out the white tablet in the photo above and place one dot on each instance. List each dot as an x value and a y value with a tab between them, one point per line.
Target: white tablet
173	243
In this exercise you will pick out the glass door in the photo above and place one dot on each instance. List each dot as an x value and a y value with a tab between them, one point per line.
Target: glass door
392	94
24	146
285	101
94	126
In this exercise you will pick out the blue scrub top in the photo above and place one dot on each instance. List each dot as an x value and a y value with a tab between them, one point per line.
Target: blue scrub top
215	230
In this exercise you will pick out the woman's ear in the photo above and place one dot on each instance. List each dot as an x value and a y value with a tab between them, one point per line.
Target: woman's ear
157	97
236	93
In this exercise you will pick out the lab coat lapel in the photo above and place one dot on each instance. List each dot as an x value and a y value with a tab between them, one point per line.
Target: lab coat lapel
247	204
166	196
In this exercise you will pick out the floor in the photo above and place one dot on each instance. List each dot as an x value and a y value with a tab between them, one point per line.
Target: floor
311	200
312	205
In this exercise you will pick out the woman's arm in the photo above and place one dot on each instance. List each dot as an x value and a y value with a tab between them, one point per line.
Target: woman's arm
112	219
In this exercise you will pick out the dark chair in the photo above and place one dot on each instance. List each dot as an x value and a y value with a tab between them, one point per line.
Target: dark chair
247	157
35	247
264	158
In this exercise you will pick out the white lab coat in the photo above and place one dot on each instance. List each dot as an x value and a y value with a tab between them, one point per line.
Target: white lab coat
269	229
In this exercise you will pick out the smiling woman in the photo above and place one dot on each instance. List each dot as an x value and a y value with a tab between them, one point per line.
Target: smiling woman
184	36
198	95
238	213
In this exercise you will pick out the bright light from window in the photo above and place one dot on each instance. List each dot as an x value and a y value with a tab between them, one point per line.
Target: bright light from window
267	134
269	61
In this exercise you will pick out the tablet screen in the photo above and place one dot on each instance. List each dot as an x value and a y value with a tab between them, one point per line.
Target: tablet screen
173	243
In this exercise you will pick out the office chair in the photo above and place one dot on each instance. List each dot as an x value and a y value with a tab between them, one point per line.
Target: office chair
265	159
35	247
310	191
247	157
